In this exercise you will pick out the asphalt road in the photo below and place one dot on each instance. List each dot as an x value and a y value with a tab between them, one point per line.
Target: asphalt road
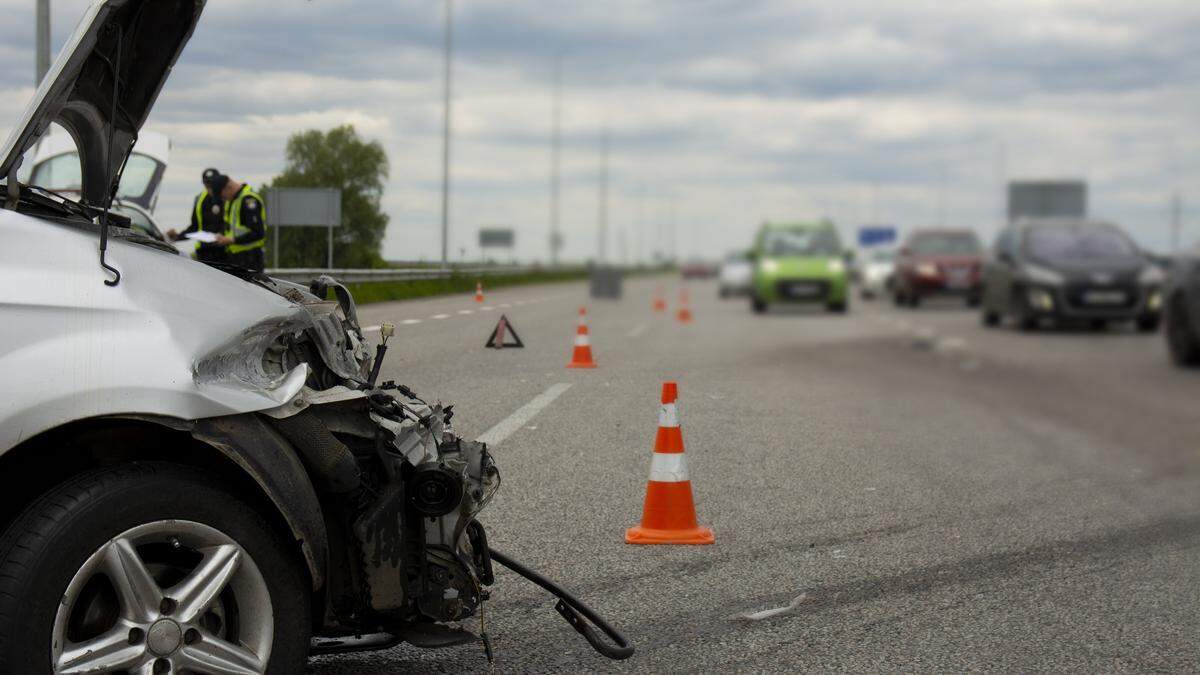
940	496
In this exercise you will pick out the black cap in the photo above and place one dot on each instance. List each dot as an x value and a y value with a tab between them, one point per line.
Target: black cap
208	175
217	183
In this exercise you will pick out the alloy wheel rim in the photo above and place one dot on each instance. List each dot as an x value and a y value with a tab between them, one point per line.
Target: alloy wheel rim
165	597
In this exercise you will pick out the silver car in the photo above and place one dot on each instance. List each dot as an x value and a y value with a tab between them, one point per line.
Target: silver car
200	471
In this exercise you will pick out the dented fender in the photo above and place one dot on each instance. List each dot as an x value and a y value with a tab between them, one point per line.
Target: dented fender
271	461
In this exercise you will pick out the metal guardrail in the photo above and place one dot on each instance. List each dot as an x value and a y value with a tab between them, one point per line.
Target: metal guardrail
306	274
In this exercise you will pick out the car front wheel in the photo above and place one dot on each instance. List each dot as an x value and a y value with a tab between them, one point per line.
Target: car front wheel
149	568
1182	341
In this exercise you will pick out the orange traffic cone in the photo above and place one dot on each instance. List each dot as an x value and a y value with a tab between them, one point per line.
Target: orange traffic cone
478	291
684	315
660	303
582	356
669	515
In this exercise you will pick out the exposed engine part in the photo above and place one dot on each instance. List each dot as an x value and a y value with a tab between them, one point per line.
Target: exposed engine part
386	330
434	490
326	456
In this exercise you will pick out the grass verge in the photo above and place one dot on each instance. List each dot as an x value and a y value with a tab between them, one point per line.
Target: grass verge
387	291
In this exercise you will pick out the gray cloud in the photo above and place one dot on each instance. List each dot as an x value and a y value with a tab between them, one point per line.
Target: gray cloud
736	110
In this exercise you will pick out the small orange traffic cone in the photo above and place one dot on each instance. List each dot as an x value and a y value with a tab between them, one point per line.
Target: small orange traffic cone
684	315
669	515
478	291
660	303
582	356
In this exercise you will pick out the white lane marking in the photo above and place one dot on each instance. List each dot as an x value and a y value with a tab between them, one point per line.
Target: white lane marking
440	316
505	427
505	305
486	308
370	329
409	322
466	311
637	330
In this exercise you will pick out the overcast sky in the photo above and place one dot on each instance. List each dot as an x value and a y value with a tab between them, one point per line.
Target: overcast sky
723	112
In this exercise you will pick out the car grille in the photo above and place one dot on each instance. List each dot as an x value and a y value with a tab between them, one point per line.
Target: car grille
803	289
1090	296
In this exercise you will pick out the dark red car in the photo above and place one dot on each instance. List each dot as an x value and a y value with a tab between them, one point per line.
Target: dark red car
939	262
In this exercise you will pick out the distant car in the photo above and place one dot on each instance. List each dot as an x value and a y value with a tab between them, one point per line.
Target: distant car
799	263
875	270
736	275
698	269
1182	294
1070	270
938	262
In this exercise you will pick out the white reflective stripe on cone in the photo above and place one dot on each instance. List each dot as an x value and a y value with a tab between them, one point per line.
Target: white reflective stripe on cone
581	341
668	467
668	416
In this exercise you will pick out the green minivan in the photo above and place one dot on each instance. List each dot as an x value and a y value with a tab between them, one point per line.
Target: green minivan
799	263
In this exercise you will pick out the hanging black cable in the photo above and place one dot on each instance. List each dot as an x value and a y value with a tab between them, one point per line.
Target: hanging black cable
112	134
571	610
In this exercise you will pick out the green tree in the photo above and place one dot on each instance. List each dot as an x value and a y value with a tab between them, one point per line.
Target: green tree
338	158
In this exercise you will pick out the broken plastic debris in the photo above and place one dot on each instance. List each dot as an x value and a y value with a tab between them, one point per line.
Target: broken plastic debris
768	613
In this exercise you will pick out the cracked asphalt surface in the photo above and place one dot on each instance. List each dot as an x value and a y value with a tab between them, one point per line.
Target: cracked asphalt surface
943	496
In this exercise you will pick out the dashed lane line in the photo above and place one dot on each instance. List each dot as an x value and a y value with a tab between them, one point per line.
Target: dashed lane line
505	427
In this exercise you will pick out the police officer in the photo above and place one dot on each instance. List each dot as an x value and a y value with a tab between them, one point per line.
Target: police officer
208	215
245	233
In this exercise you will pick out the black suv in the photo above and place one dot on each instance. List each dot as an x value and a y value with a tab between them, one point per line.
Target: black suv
1070	270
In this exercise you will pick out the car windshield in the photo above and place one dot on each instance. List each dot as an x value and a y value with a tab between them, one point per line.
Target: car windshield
1067	243
138	220
945	244
807	241
62	172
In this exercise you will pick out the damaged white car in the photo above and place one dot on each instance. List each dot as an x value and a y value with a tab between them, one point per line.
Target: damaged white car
199	470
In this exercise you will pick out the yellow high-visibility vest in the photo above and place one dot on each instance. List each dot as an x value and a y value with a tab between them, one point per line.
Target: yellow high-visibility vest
233	221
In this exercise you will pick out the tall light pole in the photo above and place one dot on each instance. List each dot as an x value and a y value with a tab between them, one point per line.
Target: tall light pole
556	162
602	201
1176	221
446	91
42	40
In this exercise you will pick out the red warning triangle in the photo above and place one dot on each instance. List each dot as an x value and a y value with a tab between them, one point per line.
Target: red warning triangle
503	327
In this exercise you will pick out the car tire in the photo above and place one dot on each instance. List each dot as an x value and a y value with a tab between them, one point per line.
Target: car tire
989	318
1182	342
1148	323
974	301
897	299
1098	325
57	554
836	307
758	306
1027	321
914	300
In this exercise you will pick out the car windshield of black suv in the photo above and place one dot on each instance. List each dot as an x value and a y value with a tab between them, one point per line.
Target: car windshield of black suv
945	244
822	241
1063	243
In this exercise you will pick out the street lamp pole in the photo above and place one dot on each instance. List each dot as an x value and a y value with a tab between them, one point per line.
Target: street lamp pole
42	40
556	163
446	90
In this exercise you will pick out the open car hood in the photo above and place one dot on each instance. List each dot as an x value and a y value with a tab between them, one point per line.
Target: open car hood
77	92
